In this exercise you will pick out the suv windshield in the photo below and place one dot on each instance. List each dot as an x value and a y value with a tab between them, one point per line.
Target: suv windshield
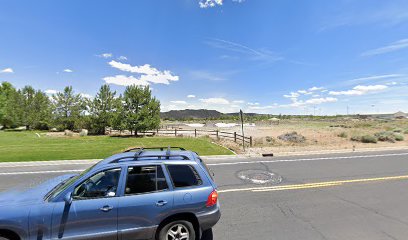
64	185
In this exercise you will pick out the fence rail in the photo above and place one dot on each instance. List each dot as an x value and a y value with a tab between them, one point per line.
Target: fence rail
200	132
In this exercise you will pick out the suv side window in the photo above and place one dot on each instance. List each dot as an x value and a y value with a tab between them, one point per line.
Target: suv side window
184	176
101	184
145	179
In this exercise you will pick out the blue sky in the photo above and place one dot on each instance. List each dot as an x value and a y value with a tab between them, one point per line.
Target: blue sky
265	56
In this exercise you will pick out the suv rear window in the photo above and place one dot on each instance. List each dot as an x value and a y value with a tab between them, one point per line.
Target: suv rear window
145	179
184	176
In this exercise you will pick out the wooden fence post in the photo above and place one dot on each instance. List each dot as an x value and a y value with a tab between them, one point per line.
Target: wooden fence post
175	132
250	141
195	132
235	136
217	135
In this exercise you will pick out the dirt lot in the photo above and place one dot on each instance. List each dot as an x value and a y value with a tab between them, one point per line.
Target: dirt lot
319	134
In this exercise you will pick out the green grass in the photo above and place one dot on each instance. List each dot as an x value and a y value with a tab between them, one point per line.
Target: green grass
27	146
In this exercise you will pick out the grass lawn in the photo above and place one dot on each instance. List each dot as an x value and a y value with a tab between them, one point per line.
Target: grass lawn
27	146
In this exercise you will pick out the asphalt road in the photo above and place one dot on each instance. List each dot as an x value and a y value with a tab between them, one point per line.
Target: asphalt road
332	196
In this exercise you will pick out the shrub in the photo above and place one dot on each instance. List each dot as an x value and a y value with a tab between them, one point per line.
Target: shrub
385	136
399	137
364	139
269	139
397	130
356	138
368	139
406	131
293	137
342	135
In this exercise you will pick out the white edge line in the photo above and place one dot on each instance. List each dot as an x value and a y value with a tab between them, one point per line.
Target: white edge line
37	172
306	159
91	161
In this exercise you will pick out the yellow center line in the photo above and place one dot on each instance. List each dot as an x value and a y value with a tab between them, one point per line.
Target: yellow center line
314	185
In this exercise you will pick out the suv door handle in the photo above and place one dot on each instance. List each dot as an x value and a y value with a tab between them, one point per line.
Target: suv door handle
106	208
161	203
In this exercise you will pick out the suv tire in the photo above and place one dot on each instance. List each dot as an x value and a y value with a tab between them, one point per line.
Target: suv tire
177	230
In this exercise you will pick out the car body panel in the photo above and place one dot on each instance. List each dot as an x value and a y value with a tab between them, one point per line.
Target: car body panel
34	215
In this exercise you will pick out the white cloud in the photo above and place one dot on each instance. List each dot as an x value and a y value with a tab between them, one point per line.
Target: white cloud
214	3
275	105
209	3
253	103
360	90
191	96
148	74
7	70
123	58
178	102
105	55
238	101
292	95
395	46
67	70
123	80
214	100
315	89
51	91
321	100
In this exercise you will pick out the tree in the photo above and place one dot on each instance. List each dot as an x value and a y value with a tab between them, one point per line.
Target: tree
142	110
102	109
10	106
68	108
28	112
42	111
119	115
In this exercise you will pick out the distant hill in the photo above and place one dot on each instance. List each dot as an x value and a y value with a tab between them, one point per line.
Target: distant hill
202	114
191	114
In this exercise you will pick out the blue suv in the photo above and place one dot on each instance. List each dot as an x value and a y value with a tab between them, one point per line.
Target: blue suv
160	193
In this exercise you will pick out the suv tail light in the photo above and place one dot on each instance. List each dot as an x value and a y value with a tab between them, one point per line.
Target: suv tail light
212	199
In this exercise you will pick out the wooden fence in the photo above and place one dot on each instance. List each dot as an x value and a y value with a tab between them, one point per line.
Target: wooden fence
234	136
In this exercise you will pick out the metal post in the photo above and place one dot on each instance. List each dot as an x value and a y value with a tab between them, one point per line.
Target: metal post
195	132
217	134
242	127
250	141
235	136
175	132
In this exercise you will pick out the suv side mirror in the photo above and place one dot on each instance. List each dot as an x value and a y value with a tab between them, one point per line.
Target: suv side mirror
68	198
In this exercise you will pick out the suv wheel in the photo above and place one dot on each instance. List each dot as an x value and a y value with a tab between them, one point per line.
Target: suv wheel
177	230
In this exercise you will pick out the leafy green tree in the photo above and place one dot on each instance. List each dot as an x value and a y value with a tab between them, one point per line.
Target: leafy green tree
119	115
142	110
102	109
68	108
42	111
10	106
28	112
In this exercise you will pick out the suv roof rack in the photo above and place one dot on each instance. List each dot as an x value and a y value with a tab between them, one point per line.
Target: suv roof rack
159	157
153	148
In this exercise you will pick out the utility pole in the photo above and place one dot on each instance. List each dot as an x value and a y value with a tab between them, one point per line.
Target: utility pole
242	128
